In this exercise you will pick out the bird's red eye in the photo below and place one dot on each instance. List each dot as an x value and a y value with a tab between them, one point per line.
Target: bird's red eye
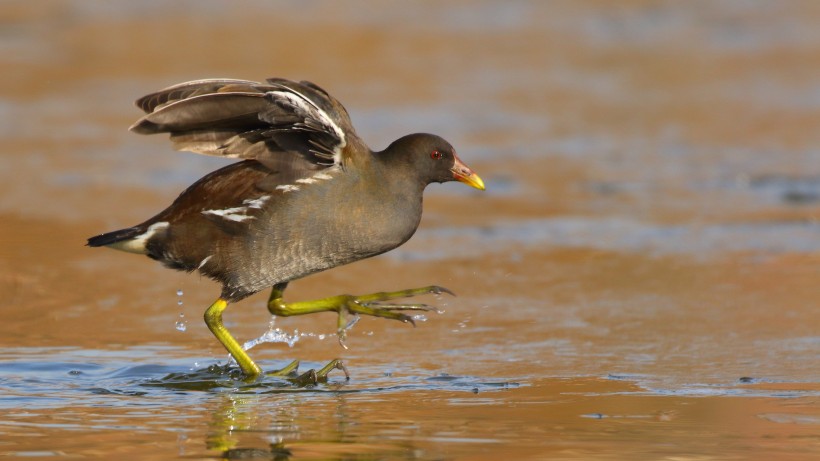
435	155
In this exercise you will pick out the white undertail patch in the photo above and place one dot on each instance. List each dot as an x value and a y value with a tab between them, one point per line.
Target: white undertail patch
137	244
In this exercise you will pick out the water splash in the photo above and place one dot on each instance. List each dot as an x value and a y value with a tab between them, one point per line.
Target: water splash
463	324
274	335
441	303
319	336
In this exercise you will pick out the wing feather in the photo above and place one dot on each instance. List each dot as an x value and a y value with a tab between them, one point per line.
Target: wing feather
292	128
250	120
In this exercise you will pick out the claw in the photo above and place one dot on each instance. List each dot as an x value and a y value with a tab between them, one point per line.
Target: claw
437	290
341	333
407	319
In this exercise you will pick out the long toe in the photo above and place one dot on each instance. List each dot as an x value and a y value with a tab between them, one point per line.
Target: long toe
289	370
335	364
313	377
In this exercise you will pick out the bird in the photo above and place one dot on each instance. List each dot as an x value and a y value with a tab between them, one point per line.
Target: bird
306	195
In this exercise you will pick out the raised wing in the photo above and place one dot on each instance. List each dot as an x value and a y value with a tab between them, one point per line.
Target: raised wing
292	128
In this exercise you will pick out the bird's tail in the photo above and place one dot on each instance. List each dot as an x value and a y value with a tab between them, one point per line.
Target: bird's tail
123	239
113	237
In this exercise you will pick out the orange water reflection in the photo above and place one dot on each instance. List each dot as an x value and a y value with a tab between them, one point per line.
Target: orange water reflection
639	281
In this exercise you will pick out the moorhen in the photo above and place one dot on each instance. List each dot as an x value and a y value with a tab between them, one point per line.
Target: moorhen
309	195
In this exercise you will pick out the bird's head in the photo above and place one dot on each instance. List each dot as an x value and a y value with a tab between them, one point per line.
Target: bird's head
433	159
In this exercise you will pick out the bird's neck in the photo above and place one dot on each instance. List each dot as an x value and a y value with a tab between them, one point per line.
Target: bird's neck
396	174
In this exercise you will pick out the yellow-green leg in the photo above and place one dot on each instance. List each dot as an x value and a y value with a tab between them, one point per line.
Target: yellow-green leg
213	318
372	304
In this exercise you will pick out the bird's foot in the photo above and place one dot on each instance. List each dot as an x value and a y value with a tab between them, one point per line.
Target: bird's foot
313	377
375	305
310	377
349	307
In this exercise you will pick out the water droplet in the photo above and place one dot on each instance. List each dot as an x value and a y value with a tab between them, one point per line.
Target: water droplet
420	318
179	303
179	292
321	337
181	324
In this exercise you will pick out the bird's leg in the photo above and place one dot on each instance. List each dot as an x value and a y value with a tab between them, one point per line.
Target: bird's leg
371	304
213	318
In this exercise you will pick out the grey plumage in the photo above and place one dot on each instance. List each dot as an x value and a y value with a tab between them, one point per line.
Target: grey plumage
309	194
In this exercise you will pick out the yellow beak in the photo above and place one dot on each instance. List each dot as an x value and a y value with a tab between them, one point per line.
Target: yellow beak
463	173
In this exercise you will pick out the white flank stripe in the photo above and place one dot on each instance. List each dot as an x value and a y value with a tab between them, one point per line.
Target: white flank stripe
137	244
287	188
322	176
306	181
204	261
231	214
256	203
239	214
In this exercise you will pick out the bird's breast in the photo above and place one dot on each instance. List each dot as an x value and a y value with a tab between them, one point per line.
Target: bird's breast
318	227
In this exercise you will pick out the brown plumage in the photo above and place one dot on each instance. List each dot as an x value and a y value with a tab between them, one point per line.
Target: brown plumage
307	196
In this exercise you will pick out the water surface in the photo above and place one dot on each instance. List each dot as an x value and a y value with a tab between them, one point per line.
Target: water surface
639	280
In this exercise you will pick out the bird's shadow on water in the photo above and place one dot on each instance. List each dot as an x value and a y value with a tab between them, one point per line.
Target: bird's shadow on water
236	417
228	377
56	377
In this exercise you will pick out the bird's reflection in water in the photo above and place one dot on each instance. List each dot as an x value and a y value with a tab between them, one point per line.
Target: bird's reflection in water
300	424
253	426
265	426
